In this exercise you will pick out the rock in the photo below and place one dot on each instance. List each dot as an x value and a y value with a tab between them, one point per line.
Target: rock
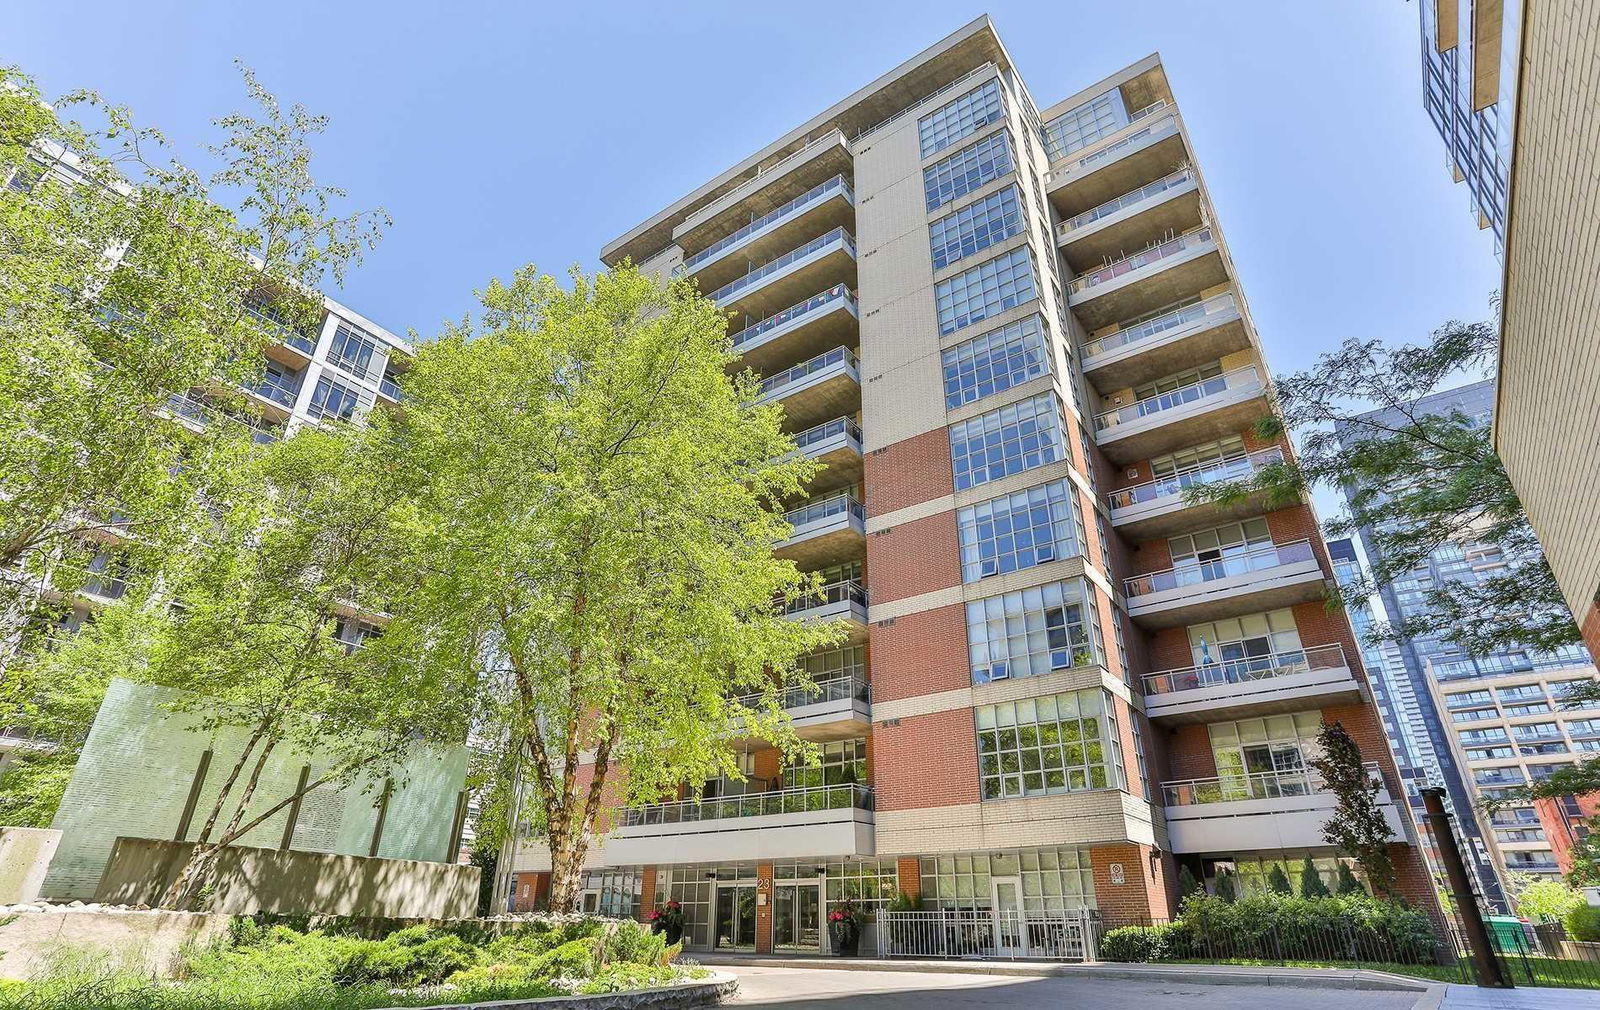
75	904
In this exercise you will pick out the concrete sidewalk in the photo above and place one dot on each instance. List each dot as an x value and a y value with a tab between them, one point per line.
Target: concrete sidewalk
1469	997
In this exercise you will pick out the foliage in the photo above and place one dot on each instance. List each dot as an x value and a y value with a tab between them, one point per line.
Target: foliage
1227	886
903	902
1278	880
1275	926
1357	825
1583	922
1542	899
1311	885
1421	482
486	860
596	540
1348	883
279	968
1187	884
1586	855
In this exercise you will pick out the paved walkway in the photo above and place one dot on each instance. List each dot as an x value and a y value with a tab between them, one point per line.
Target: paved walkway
1469	997
820	988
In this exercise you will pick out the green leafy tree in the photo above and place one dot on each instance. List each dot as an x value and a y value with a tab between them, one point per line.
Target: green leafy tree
1543	900
1422	481
1187	884
1226	887
1348	883
598	530
1311	885
1278	880
1357	825
1586	856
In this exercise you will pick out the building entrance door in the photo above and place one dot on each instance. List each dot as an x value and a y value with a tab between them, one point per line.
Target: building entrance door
797	917
1007	895
736	917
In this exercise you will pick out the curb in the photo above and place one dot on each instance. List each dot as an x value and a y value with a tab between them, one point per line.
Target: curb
702	992
1303	978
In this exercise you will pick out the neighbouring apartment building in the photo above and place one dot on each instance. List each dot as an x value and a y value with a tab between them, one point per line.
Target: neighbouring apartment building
1514	87
1015	336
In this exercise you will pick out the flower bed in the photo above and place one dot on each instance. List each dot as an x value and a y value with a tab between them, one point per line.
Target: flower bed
261	967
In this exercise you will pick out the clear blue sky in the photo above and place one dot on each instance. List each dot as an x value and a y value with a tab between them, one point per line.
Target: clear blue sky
498	134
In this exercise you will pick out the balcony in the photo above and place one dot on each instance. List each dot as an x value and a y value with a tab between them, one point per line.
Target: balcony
844	601
286	343
275	399
827	531
1254	579
389	389
1165	343
1168	206
1146	280
778	183
836	444
1144	150
1160	508
838	708
1189	415
1258	685
1255	811
826	206
826	386
800	331
794	823
815	266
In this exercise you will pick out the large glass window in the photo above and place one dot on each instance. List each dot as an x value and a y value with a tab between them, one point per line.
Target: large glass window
988	289
1017	437
1053	879
613	892
1193	550
841	762
1211	455
975	227
1262	758
1019	531
967	169
850	661
994	362
1240	639
1058	744
355	352
1033	631
333	399
1084	125
960	118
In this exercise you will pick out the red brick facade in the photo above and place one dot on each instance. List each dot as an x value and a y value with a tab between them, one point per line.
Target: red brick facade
909	472
913	558
935	761
920	653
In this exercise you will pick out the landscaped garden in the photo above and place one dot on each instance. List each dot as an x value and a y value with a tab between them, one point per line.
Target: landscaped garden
276	967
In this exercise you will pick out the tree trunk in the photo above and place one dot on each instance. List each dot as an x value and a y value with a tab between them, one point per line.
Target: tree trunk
202	856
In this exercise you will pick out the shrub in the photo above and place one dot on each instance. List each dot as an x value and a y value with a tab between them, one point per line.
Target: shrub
1283	927
1278	881
1311	885
1143	943
1348	883
621	977
1583	922
632	943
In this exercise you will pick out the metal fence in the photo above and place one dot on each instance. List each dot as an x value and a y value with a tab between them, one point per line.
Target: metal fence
1532	954
982	933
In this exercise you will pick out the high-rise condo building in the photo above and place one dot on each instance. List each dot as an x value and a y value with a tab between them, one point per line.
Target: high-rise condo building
1016	337
1514	87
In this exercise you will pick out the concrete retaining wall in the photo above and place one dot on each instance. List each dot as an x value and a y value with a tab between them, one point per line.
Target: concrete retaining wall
25	855
148	939
247	880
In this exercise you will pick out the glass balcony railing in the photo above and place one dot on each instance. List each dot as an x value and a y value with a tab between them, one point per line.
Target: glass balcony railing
804	799
793	312
1139	195
1239	378
816	194
1139	260
850	687
775	383
837	236
1154	326
1246	670
281	331
388	387
1251	786
824	432
275	392
844	591
1240	561
840	504
1211	473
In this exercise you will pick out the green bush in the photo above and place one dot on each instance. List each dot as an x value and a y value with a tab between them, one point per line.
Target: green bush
1583	922
1143	943
1284	927
633	943
621	977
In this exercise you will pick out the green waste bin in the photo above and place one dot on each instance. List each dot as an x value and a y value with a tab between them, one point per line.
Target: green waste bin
1509	933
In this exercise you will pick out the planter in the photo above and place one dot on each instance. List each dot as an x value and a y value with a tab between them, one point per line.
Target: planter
844	941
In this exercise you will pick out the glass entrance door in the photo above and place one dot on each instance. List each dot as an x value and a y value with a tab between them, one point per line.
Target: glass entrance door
736	917
1007	915
797	917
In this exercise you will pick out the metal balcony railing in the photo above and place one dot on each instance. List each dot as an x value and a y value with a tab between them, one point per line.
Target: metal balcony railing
1239	378
793	312
389	388
1243	561
817	193
733	287
789	376
1247	670
846	590
1251	786
275	392
828	429
846	688
1115	204
1136	261
1173	483
1144	329
969	75
834	505
1128	141
778	801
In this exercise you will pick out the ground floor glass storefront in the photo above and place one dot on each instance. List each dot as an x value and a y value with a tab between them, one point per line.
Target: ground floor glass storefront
1032	880
720	900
